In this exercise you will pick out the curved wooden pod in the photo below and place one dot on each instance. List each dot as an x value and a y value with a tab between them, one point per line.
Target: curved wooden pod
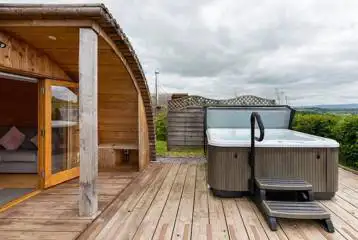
120	75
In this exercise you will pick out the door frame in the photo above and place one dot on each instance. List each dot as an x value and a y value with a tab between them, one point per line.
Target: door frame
47	178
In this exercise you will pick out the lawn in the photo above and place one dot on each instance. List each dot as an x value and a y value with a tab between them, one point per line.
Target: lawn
162	151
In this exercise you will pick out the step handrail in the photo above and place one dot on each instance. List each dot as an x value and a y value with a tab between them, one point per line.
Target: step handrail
255	117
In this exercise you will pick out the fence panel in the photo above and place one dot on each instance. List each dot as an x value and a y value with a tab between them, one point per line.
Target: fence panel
186	118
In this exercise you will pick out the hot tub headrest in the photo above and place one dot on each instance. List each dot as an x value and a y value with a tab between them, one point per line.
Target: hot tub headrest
239	116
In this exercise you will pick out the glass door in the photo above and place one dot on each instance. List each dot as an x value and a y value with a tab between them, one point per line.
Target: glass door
61	132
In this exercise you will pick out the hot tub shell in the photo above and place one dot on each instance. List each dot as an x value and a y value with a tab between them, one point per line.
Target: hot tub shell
229	171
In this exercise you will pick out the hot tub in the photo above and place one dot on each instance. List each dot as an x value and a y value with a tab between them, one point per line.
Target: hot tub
283	153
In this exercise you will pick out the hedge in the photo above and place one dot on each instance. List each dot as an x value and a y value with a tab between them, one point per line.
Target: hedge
343	128
161	126
317	124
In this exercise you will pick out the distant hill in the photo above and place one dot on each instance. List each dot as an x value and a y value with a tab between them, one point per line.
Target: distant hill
334	106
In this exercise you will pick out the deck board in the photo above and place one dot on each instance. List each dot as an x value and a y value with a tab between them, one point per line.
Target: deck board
234	220
183	223
150	220
166	222
201	210
252	223
168	201
101	222
53	214
127	228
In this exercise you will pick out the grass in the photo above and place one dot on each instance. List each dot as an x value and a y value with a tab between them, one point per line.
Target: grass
162	151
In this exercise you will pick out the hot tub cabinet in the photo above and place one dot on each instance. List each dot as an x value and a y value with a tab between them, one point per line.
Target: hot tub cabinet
229	170
284	171
282	154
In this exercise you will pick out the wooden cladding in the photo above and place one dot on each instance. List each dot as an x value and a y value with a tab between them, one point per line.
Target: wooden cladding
18	103
18	56
143	135
117	110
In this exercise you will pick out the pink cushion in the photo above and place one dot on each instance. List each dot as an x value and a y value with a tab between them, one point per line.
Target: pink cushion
34	140
12	139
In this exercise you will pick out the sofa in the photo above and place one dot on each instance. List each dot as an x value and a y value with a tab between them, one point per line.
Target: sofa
25	158
22	160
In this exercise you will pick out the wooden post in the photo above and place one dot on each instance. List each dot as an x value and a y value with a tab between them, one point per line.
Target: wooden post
88	85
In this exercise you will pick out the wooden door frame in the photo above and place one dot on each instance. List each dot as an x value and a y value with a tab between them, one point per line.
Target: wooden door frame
47	179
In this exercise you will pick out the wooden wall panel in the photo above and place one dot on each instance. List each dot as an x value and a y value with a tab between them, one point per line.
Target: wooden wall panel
143	135
19	56
18	103
118	107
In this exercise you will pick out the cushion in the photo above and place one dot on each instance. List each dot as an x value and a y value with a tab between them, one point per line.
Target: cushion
28	144
29	132
12	139
34	140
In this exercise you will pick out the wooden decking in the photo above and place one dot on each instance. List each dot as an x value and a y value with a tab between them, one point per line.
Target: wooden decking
53	214
168	201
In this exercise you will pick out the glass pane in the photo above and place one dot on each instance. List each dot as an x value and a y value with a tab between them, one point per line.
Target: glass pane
65	128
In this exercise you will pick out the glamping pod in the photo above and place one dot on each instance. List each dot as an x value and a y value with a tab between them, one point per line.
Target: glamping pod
73	97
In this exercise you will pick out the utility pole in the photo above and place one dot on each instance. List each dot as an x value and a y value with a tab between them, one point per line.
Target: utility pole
282	97
278	95
156	90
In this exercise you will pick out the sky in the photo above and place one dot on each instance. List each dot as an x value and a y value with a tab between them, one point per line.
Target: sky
306	50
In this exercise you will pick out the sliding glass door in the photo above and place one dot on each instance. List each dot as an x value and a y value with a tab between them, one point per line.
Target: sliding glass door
60	132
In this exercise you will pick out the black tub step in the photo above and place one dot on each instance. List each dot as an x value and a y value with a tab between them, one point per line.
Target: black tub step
296	210
280	184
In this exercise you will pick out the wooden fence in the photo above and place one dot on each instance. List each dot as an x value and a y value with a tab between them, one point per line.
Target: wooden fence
186	118
185	128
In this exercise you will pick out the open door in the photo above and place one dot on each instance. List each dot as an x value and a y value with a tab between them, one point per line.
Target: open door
59	131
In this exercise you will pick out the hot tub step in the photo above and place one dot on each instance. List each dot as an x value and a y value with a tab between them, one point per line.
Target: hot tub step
295	210
280	184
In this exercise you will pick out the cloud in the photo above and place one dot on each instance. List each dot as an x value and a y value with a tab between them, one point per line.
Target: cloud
219	48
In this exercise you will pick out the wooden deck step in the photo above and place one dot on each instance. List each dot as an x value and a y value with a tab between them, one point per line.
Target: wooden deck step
283	184
296	210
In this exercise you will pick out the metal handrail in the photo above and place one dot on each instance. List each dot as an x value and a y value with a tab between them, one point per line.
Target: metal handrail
255	116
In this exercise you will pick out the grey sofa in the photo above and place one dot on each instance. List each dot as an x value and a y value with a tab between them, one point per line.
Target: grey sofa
25	159
22	160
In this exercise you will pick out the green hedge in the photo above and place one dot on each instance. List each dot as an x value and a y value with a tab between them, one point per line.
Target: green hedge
316	124
343	128
161	126
346	133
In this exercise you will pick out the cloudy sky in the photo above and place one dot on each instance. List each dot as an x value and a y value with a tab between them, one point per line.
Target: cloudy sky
223	48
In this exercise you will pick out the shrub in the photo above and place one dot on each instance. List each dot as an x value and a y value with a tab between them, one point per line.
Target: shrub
346	133
343	128
316	124
161	126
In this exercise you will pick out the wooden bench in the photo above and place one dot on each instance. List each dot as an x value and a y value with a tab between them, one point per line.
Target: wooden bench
116	155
